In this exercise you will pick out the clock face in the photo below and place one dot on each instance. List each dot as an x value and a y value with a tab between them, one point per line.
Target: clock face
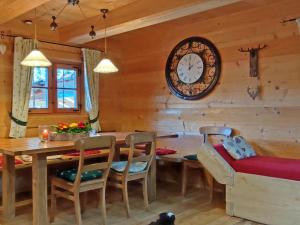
193	68
190	68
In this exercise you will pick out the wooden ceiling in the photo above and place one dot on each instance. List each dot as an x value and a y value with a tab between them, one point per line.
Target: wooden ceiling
124	16
72	14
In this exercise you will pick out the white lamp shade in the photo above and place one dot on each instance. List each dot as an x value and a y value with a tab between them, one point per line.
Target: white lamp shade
36	59
106	66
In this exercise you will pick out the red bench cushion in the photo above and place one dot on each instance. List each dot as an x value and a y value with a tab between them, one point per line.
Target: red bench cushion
165	151
264	165
17	162
86	153
223	152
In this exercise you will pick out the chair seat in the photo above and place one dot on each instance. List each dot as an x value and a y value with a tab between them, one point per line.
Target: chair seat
135	167
70	175
191	157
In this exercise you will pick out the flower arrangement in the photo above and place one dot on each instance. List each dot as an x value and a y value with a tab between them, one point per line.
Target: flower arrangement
73	128
70	131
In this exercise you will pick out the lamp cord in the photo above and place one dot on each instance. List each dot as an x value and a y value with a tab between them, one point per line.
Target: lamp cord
105	41
82	13
105	44
35	35
60	12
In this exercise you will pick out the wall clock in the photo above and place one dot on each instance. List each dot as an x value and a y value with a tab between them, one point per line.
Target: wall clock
193	68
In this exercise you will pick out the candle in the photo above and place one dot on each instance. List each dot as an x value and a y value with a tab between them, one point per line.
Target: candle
45	135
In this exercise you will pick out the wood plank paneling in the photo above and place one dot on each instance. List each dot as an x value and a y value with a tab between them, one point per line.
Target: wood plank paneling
138	96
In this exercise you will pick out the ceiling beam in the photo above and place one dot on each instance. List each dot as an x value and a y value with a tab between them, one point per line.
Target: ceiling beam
138	15
11	9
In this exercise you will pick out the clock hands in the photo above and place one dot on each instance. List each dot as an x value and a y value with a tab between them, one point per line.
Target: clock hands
190	62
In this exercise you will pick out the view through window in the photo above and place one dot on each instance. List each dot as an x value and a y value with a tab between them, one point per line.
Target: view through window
40	89
66	88
55	90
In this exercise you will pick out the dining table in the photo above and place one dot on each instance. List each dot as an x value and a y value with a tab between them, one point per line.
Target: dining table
39	152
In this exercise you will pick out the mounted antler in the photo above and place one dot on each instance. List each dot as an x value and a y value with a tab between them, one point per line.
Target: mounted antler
253	92
244	50
261	47
283	21
253	58
252	49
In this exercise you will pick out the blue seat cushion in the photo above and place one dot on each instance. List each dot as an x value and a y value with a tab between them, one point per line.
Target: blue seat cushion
135	167
70	175
191	157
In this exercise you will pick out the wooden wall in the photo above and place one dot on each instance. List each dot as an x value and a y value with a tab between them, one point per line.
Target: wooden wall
56	54
138	97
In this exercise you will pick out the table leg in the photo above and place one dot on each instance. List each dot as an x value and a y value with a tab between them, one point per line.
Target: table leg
117	153
152	181
8	187
39	189
184	178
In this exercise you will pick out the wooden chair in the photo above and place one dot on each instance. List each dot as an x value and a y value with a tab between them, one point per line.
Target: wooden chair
212	130
120	178
71	189
206	132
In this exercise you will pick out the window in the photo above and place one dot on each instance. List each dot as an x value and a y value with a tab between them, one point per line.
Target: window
40	89
57	91
67	92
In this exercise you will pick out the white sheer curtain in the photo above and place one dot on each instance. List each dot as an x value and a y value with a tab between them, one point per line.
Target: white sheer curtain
91	82
22	82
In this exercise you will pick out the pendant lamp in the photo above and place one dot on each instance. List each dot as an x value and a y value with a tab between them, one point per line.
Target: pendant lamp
105	65
36	58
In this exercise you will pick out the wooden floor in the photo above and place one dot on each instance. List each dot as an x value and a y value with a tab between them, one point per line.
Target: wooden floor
194	209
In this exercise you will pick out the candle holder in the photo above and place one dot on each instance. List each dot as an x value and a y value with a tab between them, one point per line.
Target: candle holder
44	133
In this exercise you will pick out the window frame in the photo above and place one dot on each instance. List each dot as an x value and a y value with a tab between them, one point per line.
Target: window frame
50	105
52	91
55	88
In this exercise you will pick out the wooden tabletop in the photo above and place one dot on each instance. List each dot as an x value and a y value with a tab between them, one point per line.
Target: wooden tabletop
184	145
29	146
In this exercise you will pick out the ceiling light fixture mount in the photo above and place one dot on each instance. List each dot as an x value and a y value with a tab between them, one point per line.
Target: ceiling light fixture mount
104	12
54	25
92	32
27	22
73	2
105	65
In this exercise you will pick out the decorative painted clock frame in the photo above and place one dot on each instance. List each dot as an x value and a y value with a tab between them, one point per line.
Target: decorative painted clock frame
193	68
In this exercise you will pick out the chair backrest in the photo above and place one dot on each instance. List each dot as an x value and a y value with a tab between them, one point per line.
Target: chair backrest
103	142
147	138
213	130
